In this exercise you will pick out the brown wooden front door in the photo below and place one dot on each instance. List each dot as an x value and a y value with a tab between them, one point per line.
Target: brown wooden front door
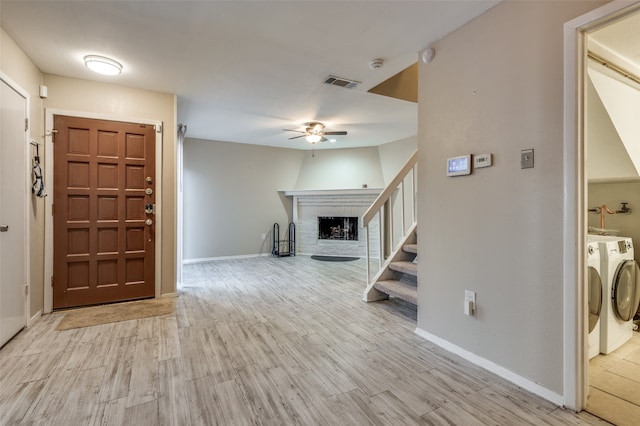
104	178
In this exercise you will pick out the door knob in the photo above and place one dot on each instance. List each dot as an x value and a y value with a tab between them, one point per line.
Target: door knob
4	228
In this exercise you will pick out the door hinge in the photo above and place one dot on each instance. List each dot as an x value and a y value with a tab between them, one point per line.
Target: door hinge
52	280
26	124
52	209
26	289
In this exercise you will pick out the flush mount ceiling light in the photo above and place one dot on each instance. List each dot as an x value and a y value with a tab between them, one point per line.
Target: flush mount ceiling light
102	65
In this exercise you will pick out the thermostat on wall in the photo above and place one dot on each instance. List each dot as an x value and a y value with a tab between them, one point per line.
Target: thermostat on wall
458	166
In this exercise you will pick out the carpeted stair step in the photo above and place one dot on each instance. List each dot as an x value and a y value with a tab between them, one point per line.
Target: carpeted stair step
398	289
410	248
405	267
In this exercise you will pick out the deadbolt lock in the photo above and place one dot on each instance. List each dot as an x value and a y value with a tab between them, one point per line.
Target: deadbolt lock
148	191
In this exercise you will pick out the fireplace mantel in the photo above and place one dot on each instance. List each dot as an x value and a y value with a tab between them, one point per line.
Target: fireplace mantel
315	192
309	204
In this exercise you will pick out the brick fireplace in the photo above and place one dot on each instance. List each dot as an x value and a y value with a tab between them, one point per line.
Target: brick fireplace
311	205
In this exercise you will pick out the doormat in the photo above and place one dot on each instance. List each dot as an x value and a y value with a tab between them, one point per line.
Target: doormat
116	312
334	258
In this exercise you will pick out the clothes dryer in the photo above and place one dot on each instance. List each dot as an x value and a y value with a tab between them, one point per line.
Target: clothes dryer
594	293
621	290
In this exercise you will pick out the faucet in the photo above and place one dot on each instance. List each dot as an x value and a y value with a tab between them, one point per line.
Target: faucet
624	209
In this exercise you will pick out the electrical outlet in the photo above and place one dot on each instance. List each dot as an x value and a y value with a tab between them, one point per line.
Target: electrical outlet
264	237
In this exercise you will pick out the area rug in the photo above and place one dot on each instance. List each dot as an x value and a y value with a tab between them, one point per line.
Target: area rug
334	258
116	312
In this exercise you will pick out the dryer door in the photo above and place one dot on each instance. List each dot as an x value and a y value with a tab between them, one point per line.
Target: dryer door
625	294
595	297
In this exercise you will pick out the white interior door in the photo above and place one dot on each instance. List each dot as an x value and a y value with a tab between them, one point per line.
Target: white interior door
13	215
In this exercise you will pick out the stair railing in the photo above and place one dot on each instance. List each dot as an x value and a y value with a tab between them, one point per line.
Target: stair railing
396	211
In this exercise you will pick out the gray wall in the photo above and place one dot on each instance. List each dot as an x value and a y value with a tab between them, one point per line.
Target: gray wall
231	198
340	169
394	155
496	86
231	190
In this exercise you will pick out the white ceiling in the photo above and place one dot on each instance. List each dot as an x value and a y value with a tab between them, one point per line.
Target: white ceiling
619	43
245	70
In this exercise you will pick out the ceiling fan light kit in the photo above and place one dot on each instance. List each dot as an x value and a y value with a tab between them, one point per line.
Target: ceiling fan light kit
313	138
314	133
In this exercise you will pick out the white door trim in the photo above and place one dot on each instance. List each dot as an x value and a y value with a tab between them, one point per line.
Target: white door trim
48	222
179	210
27	187
576	385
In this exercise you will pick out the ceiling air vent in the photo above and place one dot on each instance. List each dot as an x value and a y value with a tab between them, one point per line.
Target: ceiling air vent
342	82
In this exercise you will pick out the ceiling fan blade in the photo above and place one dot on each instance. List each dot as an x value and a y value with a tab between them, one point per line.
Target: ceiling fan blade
296	137
291	130
342	133
323	139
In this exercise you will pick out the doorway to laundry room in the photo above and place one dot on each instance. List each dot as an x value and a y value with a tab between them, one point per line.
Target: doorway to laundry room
612	168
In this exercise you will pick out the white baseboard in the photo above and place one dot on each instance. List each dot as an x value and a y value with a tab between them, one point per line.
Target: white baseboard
34	318
212	259
494	368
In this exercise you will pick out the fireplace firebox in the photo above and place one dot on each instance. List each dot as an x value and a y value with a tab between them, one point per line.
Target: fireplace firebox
338	228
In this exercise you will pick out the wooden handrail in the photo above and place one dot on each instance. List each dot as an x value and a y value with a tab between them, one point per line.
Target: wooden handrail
388	191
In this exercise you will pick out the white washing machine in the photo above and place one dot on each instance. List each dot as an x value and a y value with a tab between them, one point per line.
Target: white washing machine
621	290
594	293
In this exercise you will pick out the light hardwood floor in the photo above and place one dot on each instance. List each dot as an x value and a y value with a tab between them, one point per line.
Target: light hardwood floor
614	384
258	341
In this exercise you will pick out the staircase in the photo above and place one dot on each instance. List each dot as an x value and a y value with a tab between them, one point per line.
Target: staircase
399	277
397	272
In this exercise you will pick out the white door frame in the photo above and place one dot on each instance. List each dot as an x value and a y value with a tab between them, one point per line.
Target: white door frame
48	222
179	209
27	187
576	360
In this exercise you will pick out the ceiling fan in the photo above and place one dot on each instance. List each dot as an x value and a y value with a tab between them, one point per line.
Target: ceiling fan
315	133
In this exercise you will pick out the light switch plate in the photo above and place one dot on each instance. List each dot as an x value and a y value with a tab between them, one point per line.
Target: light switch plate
526	159
469	302
470	296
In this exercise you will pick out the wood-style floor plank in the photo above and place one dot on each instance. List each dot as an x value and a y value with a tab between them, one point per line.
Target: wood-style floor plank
260	341
613	409
172	394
